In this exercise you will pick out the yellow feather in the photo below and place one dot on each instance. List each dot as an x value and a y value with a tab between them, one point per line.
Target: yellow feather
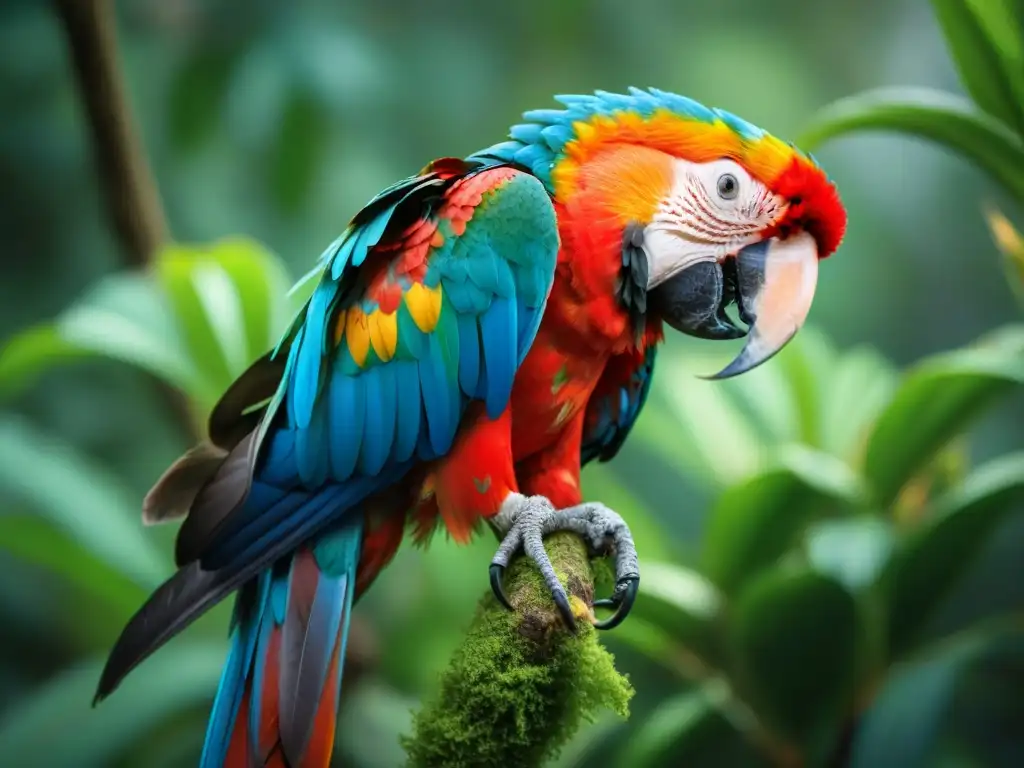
383	333
688	138
358	335
424	305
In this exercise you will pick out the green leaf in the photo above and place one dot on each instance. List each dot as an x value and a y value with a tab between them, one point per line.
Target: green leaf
711	436
600	481
229	301
196	96
936	401
796	640
985	42
853	551
933	558
685	606
58	728
372	722
755	522
80	498
1011	245
805	363
124	317
301	142
34	540
940	117
861	383
590	742
915	712
207	311
262	283
687	729
28	353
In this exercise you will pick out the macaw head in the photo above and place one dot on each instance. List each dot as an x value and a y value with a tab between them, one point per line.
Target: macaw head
706	210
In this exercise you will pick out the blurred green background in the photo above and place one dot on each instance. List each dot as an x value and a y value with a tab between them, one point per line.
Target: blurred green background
806	598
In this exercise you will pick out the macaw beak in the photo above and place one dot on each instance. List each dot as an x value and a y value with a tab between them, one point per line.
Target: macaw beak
772	283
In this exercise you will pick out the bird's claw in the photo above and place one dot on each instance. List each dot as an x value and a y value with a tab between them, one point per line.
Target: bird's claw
526	520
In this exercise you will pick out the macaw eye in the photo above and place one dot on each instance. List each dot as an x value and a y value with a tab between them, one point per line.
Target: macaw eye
728	186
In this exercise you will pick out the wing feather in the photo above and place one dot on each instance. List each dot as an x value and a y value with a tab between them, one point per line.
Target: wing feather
616	403
437	300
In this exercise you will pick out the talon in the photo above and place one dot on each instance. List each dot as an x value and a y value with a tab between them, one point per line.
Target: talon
622	600
497	571
564	609
526	520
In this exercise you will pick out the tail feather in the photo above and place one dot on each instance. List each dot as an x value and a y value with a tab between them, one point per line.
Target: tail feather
278	697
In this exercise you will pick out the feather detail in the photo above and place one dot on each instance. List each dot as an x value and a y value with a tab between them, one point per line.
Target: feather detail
174	493
369	382
616	403
278	695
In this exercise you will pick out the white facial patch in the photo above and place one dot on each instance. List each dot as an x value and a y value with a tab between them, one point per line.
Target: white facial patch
713	210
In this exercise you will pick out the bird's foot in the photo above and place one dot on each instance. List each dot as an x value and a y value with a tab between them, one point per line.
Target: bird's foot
523	522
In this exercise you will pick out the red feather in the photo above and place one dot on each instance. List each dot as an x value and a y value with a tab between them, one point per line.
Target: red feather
814	206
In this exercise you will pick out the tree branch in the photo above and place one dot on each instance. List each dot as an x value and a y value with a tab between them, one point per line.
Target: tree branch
519	686
129	190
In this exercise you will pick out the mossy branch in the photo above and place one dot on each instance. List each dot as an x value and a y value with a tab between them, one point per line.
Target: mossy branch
519	686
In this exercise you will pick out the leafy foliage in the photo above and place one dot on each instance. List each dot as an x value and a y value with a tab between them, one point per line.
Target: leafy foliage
822	567
814	620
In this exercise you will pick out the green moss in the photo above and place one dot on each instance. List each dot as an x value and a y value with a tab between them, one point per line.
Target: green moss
519	686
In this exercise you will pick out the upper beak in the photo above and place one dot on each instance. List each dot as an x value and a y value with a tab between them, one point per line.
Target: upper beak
772	282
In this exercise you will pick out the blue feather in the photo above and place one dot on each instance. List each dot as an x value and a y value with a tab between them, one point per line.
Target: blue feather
379	427
576	99
424	448
526	132
229	692
337	554
542	166
505	282
347	407
410	336
310	457
469	354
624	410
279	595
615	100
556	136
343	255
498	334
371	235
468	298
266	626
305	384
295	522
738	124
544	115
531	153
262	510
434	382
310	634
407	425
293	355
278	466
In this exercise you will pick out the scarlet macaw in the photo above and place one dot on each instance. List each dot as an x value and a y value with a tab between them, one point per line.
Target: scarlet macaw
479	332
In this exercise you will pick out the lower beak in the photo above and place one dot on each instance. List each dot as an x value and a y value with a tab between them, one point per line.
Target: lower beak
771	281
